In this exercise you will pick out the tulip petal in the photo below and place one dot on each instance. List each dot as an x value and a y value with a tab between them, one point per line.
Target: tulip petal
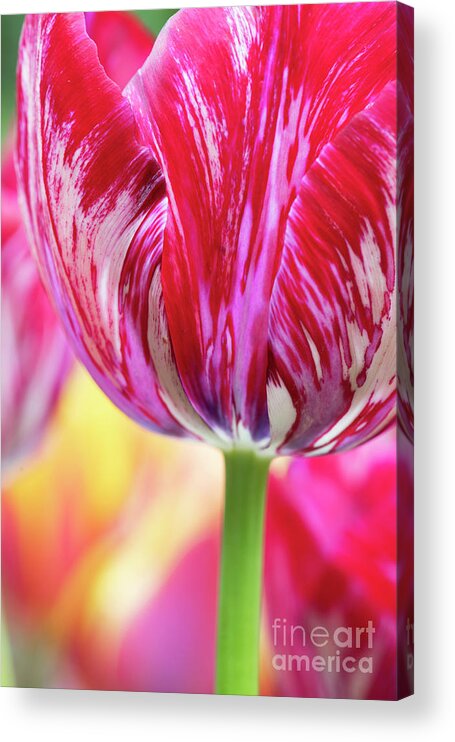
95	202
332	319
405	225
236	104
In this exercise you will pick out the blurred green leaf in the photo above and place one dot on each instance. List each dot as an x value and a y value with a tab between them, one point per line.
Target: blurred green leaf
155	19
11	29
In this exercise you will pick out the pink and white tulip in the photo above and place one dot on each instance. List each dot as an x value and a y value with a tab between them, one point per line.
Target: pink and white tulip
219	235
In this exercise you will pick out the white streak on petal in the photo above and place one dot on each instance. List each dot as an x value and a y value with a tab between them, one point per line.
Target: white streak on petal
172	393
314	352
282	413
372	391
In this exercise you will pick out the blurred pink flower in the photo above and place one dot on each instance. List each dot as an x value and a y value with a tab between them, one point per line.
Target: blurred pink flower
122	43
331	561
35	353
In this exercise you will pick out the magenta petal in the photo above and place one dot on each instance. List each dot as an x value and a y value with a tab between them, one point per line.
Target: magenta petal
90	190
333	316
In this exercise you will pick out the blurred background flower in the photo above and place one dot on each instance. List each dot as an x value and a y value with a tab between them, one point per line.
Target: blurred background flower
93	535
35	353
331	561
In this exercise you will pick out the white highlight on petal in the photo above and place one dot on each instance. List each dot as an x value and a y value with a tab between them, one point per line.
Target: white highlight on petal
314	352
172	392
372	391
373	275
282	413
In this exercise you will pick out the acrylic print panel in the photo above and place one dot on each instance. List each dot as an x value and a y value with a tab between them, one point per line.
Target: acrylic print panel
207	333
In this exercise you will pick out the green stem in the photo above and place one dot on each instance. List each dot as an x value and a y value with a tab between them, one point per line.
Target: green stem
239	609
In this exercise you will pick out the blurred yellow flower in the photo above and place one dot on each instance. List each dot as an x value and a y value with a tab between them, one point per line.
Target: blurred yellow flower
97	520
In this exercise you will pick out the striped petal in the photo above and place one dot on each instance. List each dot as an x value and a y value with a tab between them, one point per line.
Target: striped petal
405	224
237	103
332	321
95	203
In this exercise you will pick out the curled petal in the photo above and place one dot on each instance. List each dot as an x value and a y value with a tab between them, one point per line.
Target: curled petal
90	189
333	318
237	103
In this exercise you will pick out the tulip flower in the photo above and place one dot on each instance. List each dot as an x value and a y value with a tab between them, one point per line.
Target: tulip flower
35	353
219	239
